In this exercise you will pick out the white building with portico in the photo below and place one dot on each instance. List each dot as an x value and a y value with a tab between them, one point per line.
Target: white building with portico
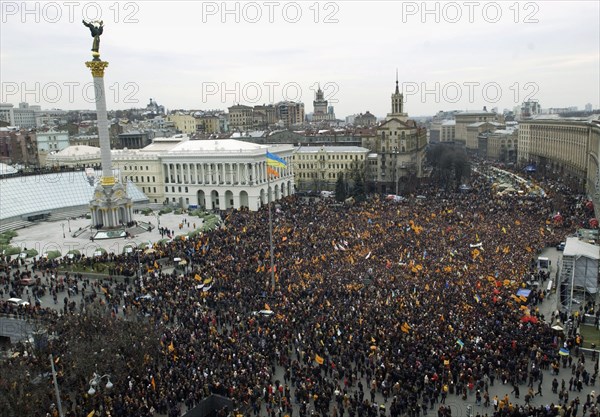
225	174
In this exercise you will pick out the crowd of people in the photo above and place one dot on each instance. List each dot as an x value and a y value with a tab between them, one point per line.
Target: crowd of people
378	309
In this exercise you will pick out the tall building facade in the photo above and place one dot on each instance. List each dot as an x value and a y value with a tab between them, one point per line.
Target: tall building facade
562	145
18	147
7	114
290	113
463	119
50	142
366	119
569	148
317	168
529	109
398	147
240	118
185	123
321	111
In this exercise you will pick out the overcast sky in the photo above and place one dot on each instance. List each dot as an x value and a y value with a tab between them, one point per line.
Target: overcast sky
207	55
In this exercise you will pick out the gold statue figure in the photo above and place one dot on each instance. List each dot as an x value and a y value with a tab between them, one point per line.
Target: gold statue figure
96	27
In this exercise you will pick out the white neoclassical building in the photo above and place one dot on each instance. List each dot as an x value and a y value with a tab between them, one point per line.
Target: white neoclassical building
225	174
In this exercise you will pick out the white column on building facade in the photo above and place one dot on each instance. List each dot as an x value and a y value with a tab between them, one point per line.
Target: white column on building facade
168	173
260	172
237	170
195	174
253	168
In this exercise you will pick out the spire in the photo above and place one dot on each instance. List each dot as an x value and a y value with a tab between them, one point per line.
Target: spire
397	90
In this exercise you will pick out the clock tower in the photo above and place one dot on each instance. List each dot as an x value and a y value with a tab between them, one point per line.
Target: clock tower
397	104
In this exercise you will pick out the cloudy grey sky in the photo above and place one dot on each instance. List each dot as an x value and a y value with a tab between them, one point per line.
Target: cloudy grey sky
206	55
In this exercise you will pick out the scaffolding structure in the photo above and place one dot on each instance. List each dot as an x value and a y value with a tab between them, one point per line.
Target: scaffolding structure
578	275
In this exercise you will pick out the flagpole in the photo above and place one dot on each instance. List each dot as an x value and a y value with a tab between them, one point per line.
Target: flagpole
270	228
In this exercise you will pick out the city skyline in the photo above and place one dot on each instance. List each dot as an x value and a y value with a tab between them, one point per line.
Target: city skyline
211	55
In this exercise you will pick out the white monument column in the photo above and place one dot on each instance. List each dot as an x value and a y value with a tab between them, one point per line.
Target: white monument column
109	195
98	68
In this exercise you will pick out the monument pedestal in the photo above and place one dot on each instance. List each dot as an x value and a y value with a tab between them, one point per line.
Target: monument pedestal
111	207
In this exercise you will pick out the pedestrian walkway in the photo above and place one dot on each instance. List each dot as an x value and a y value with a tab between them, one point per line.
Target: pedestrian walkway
45	237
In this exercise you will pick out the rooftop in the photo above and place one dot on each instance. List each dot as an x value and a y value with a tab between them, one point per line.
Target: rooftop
216	146
332	149
78	150
477	124
576	247
6	169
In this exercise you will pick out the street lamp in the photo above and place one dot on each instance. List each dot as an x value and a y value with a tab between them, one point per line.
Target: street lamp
139	264
69	222
95	381
56	391
396	167
63	227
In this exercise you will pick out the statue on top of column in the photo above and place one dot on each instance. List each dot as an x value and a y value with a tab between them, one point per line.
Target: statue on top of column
96	27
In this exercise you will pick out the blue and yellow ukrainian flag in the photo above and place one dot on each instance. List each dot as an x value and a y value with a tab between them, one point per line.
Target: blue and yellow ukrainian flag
275	161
